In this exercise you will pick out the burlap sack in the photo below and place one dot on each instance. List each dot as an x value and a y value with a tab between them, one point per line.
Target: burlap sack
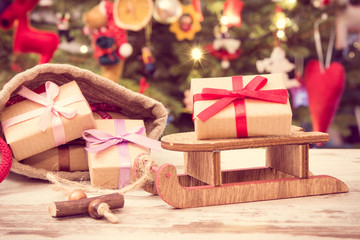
96	89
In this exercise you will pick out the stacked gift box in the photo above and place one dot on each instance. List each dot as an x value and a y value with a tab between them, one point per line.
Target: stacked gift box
45	127
241	106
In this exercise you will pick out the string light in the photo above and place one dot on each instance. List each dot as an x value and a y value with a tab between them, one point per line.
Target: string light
84	49
224	20
196	54
281	23
280	34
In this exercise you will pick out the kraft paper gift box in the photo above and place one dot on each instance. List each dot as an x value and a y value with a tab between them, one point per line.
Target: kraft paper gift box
69	157
111	167
32	127
241	106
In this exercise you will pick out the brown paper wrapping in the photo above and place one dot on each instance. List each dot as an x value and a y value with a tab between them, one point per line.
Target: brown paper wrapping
104	165
68	157
263	118
26	139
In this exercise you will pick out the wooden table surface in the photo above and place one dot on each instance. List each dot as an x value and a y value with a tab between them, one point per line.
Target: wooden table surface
24	208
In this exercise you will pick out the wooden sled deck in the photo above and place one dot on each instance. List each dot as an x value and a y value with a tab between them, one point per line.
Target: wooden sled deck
285	174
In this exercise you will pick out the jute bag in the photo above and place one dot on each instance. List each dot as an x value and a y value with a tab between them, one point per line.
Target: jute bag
96	89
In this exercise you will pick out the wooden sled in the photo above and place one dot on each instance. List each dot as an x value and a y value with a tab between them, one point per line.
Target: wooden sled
285	175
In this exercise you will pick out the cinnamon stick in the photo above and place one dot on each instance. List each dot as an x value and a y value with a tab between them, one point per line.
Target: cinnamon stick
75	207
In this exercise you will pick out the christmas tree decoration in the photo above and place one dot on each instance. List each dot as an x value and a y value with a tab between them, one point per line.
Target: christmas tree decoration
143	85
110	43
133	14
63	26
299	94
224	47
278	63
324	82
347	19
324	90
187	25
148	60
27	39
197	7
232	10
167	11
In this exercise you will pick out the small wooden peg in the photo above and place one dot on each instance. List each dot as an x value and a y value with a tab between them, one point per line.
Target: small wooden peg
76	195
98	209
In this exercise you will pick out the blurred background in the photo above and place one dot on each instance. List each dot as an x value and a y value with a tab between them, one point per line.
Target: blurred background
314	43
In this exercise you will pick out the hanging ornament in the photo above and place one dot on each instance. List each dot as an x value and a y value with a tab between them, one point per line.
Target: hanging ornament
187	25
347	19
143	85
278	63
27	39
298	94
197	7
148	60
110	42
133	14
232	10
224	47
167	11
63	26
324	84
223	52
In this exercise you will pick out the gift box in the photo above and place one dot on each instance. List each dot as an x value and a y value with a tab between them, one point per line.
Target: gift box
241	106
112	149
44	121
69	157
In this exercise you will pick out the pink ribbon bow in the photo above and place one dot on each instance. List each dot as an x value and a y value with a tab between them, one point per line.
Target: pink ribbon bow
99	140
50	112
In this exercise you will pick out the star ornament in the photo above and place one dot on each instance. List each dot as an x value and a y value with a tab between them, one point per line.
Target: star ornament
187	25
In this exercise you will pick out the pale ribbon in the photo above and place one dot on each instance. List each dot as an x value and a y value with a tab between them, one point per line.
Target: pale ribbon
50	112
99	140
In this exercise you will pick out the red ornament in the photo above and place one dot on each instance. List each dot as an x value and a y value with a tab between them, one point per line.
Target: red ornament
232	10
324	91
143	85
28	39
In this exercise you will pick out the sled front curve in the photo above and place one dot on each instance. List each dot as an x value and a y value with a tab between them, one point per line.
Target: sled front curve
178	196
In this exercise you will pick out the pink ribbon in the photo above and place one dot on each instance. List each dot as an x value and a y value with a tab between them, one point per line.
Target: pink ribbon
51	111
98	140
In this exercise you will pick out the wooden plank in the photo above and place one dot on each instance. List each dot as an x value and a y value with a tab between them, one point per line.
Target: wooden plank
24	208
292	159
205	166
179	197
187	141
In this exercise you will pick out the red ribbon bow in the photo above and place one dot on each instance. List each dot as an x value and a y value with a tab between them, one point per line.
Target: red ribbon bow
238	95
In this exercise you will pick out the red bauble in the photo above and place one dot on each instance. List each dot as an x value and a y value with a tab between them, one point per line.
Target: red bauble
324	91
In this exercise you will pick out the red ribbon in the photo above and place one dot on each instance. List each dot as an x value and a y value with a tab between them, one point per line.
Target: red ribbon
238	95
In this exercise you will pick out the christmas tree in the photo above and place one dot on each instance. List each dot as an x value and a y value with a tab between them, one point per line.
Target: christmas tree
260	28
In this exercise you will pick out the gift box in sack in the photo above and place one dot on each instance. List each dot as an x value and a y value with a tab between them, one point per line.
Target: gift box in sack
45	120
112	149
69	157
95	89
241	106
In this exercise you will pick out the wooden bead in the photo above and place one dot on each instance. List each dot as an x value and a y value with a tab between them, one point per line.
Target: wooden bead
93	208
77	195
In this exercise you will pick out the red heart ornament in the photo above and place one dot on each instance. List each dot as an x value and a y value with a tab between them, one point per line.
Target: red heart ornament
324	91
